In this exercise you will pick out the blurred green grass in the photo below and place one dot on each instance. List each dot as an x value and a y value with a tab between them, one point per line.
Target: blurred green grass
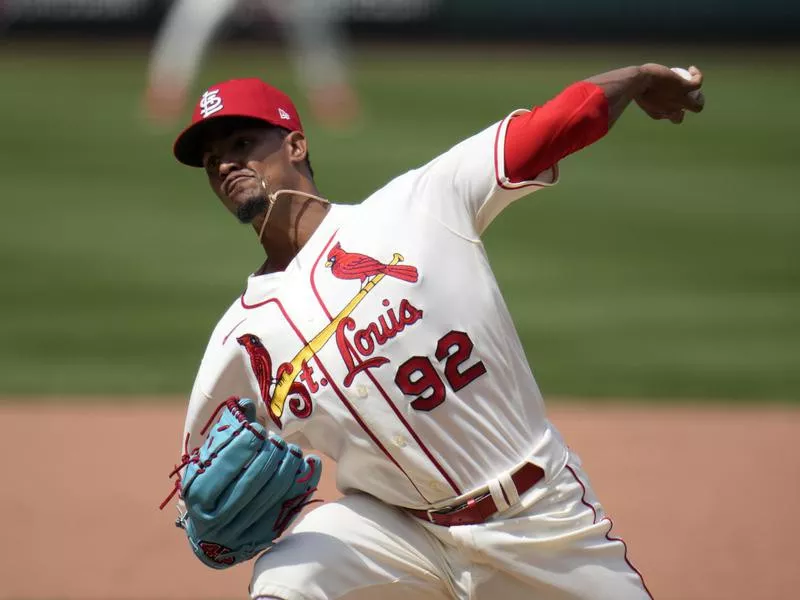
664	265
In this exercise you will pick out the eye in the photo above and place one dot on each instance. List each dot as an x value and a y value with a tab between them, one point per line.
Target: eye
243	142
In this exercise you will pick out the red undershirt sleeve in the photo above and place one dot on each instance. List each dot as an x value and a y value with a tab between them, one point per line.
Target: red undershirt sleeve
537	140
469	185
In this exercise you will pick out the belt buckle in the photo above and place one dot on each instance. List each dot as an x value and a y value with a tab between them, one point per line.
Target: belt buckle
442	510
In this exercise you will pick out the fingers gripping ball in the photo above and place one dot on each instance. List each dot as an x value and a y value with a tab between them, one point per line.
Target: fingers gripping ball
243	488
695	95
669	93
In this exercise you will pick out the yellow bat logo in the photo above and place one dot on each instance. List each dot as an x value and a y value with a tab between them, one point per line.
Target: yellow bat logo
291	372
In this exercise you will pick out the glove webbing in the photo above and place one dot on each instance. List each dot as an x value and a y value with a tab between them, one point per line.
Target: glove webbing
193	456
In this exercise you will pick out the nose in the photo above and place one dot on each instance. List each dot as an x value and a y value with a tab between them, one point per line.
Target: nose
226	166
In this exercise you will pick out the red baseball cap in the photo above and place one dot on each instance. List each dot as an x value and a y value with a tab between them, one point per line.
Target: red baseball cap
249	98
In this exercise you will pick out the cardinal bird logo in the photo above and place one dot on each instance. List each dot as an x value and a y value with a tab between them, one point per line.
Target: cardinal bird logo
215	551
351	265
261	363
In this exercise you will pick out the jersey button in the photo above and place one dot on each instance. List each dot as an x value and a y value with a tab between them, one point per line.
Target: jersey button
362	391
400	441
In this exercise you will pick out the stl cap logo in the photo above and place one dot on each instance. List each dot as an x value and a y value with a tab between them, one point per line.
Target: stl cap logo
284	115
210	103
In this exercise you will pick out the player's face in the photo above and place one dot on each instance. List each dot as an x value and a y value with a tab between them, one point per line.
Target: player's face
240	162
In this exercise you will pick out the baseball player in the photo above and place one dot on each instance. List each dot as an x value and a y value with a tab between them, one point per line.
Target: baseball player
376	333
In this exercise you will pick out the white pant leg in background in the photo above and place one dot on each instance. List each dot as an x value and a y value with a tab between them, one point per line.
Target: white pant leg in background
316	43
311	28
184	38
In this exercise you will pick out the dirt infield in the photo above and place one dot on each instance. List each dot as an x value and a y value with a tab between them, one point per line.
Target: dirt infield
705	497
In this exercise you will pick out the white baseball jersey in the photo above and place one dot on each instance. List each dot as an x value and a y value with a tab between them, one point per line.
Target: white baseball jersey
386	343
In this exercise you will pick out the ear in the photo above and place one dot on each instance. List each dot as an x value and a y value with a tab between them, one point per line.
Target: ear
297	147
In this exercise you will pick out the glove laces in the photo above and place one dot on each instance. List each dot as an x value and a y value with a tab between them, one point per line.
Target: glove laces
193	456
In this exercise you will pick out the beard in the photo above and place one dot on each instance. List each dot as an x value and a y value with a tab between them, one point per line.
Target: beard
251	208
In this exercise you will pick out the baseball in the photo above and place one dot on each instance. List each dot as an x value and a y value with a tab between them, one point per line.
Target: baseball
694	94
682	72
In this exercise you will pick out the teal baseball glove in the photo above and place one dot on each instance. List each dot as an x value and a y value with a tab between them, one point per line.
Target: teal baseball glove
242	488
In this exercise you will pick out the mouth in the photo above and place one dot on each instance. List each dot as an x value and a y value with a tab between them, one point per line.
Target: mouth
231	181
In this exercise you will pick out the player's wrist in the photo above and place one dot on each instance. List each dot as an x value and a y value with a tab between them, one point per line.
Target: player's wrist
648	75
640	80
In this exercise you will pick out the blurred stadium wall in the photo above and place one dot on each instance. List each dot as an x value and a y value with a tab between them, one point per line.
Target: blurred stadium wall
523	20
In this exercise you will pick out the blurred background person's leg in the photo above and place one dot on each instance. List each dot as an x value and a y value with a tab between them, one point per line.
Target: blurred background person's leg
180	46
314	38
318	51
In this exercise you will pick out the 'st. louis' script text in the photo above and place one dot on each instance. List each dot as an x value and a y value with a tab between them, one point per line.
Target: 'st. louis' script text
357	350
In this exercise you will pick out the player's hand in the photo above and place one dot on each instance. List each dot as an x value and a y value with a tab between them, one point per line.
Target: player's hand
667	95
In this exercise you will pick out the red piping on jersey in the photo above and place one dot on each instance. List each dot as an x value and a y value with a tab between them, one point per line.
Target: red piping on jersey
313	283
515	185
608	537
383	393
332	384
225	339
497	177
364	425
